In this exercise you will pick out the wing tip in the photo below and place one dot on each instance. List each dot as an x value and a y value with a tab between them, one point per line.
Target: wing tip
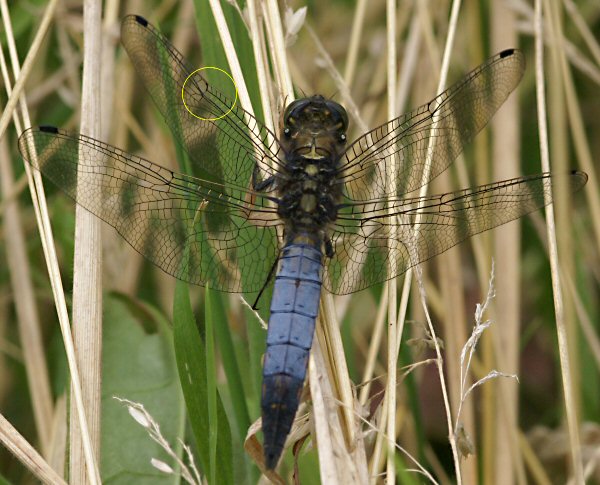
135	18
512	53
49	129
141	20
581	178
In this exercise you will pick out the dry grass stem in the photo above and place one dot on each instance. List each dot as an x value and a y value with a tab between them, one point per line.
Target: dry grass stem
274	25
258	44
420	469
49	85
534	466
439	365
396	336
334	351
354	44
21	77
30	334
582	147
374	347
575	56
571	413
20	448
587	325
590	40
232	59
263	324
502	348
41	212
409	64
58	444
16	189
404	301
29	323
393	328
87	269
337	466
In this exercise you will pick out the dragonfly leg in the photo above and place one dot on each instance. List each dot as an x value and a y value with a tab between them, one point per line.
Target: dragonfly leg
329	252
266	283
265	185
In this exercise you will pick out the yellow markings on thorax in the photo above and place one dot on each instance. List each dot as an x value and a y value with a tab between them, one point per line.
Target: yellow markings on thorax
309	185
313	155
308	202
311	169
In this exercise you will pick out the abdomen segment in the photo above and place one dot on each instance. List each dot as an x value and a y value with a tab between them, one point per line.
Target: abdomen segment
294	309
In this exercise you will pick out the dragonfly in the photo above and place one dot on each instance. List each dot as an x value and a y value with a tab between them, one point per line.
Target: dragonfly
304	207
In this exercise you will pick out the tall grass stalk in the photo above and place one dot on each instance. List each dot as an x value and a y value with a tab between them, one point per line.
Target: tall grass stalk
563	345
41	211
20	274
393	328
503	351
87	266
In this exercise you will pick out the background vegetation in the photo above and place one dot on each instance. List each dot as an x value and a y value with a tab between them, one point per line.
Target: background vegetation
512	432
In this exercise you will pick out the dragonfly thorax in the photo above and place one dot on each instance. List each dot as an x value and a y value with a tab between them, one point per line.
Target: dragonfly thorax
308	193
313	138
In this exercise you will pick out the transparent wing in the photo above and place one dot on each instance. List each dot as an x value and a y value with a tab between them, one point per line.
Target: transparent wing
196	230
224	143
370	247
429	138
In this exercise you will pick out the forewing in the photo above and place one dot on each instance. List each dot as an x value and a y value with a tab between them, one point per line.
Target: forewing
371	247
224	143
196	230
391	159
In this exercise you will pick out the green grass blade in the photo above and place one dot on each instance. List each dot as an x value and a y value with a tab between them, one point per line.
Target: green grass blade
213	53
230	362
211	383
191	356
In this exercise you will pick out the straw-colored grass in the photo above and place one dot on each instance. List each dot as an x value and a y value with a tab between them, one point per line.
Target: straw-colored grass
388	397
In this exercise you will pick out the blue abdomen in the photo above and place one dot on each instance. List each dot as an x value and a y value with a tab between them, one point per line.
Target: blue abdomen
294	309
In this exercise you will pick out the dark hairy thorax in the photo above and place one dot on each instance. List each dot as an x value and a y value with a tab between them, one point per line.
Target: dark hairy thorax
313	138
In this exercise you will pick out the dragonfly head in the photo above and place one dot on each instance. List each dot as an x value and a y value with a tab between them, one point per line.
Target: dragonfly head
314	125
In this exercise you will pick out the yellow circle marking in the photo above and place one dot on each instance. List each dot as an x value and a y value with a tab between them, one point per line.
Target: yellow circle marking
202	69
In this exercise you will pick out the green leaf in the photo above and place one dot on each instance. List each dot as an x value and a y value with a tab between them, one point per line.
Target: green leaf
211	384
140	367
213	53
214	303
191	356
